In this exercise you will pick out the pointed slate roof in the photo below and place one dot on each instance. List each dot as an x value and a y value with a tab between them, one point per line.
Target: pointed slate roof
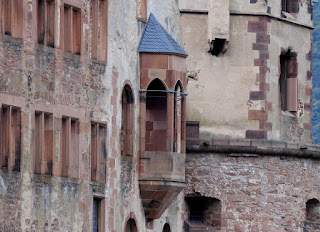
157	40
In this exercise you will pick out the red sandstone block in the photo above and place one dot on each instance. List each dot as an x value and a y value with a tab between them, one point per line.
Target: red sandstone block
308	91
264	87
307	126
269	106
260	62
260	47
263	38
256	134
258	95
257	26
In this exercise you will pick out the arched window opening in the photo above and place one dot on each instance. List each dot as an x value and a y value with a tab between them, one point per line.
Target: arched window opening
313	214
204	211
156	117
166	228
131	226
127	121
177	118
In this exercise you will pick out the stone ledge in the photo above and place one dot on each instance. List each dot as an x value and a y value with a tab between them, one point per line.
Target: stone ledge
256	147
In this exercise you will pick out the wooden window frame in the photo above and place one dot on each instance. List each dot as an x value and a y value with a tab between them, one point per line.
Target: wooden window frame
11	135
100	213
12	18
99	29
98	157
43	142
46	22
70	147
71	26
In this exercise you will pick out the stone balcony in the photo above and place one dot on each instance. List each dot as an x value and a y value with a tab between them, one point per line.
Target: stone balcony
161	179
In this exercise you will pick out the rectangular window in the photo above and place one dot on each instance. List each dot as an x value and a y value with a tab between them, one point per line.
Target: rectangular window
98	152
99	29
13	17
43	139
290	6
288	81
65	138
46	22
98	214
72	29
10	152
70	147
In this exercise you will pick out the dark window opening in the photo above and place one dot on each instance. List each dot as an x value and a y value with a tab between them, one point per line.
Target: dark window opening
218	46
131	226
98	215
166	228
288	82
204	210
312	215
290	6
156	117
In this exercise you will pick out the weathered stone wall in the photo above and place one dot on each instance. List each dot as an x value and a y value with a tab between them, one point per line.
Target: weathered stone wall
257	193
55	81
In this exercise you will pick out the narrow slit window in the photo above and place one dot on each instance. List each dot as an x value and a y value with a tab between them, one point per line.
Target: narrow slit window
98	223
65	140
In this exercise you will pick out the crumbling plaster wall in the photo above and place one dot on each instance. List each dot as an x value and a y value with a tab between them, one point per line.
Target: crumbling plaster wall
301	42
219	92
256	193
236	95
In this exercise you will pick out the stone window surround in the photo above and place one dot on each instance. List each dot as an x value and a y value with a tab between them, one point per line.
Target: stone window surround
98	153
101	211
58	112
16	102
16	22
